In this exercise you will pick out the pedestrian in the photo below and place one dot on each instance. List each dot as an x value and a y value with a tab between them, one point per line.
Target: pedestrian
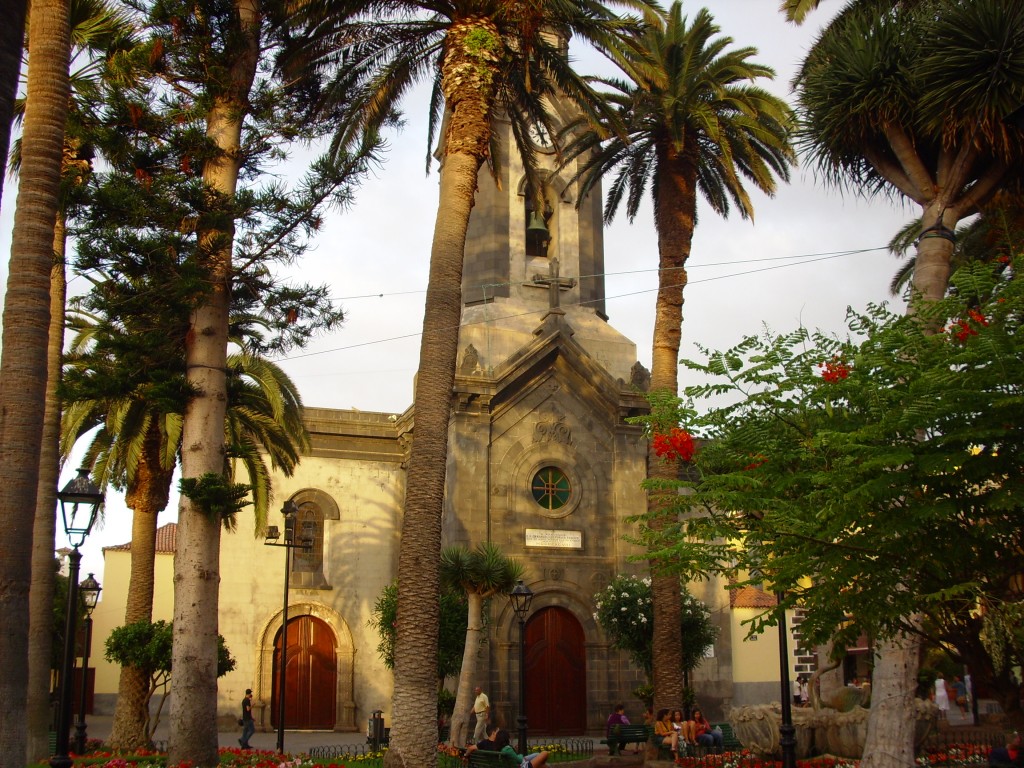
802	691
246	721
482	710
941	695
1008	756
960	694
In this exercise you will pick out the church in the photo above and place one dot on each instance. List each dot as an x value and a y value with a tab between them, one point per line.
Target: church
543	461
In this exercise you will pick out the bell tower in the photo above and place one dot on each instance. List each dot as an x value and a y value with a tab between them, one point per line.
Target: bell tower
512	238
543	459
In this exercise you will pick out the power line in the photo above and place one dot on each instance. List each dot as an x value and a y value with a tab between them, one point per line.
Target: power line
817	257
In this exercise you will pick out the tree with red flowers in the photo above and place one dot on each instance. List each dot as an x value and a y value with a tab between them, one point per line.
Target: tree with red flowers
887	485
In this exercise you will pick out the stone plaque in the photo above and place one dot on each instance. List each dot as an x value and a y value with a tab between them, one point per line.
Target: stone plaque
539	537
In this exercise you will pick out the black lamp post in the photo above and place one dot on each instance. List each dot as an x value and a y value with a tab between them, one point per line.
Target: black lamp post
289	510
787	733
520	597
90	589
80	501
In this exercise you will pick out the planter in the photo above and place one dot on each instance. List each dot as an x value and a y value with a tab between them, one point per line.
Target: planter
818	732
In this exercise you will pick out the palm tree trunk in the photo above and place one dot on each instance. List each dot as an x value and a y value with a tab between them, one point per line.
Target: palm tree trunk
468	86
197	562
414	731
40	622
26	321
674	220
12	40
467	674
146	497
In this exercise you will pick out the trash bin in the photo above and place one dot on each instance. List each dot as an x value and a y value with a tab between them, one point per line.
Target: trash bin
375	733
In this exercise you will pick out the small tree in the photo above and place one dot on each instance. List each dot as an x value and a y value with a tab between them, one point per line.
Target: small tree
453	629
146	645
482	573
625	610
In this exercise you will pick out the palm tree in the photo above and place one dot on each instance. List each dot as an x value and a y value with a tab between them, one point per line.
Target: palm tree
695	124
12	39
482	573
23	366
488	59
132	396
910	100
98	34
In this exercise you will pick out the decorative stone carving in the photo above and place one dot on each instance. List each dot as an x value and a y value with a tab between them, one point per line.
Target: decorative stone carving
640	377
470	365
552	432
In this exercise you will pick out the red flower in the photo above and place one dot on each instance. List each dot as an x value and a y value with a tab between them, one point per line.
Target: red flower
677	444
834	370
758	460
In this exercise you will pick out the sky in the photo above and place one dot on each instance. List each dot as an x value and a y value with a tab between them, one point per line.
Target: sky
810	253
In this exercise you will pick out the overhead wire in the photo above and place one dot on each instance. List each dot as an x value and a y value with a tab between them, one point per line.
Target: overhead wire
809	259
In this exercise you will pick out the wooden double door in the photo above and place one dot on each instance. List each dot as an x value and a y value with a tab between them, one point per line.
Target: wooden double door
556	674
311	676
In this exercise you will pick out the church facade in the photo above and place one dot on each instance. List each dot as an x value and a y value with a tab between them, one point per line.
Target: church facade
543	461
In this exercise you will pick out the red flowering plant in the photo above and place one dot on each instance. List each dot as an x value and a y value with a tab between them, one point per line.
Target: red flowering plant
669	440
965	327
833	370
677	443
798	475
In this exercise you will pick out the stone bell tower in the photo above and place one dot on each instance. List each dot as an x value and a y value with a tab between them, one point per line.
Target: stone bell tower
542	458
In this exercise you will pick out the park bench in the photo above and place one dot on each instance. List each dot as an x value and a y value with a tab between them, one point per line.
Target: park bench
628	734
729	740
482	758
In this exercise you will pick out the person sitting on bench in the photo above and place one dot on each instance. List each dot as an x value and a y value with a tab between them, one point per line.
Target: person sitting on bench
503	744
706	736
613	727
1010	755
486	743
664	732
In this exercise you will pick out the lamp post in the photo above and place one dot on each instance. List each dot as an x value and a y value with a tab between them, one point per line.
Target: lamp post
289	510
520	597
787	733
90	589
80	501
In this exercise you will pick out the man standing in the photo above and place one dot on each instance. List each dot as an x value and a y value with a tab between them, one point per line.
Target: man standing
482	710
247	722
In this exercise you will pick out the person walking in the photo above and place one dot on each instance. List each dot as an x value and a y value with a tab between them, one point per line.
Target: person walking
941	696
482	710
246	721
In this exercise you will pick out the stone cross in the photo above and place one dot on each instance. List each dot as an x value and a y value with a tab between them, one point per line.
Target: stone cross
555	283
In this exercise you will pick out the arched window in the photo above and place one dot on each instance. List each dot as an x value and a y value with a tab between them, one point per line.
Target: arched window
308	565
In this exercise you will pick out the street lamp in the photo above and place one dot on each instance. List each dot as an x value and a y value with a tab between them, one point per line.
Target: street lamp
289	510
80	502
520	597
90	589
787	733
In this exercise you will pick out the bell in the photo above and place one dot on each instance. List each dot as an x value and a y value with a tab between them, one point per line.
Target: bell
537	228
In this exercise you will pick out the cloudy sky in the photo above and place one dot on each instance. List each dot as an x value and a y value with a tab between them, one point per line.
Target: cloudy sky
810	253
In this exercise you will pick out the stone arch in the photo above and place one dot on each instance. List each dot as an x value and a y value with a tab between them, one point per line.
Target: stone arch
345	705
576	600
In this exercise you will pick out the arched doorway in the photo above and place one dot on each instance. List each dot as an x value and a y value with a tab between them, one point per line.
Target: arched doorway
556	674
311	675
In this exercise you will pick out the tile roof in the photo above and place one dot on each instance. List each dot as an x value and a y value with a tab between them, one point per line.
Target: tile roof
751	597
166	540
